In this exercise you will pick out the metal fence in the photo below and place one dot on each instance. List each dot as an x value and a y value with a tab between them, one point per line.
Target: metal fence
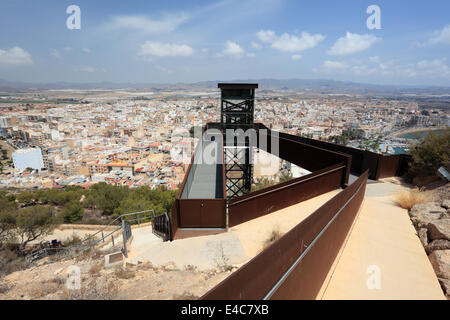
121	222
296	265
161	226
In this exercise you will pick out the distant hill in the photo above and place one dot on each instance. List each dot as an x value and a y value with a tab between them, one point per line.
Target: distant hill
312	85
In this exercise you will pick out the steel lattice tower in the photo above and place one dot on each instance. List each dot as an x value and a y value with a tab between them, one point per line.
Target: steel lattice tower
237	112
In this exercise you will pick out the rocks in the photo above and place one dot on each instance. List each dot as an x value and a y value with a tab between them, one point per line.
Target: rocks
426	212
446	204
440	260
423	236
445	285
432	219
439	229
437	245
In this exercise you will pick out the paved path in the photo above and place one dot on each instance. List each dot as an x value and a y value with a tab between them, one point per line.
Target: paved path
206	252
235	247
382	236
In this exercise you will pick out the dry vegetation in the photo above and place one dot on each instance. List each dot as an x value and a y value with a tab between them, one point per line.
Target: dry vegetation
407	199
122	273
186	295
95	290
96	268
274	236
44	288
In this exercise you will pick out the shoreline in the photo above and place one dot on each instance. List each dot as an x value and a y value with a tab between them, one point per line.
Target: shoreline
416	129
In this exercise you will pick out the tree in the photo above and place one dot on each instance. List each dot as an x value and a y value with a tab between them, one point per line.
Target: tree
72	211
429	154
7	224
26	197
35	222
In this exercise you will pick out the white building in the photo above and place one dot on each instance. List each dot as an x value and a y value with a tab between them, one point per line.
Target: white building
28	158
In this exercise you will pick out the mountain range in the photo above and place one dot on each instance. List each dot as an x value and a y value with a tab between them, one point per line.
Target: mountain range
322	86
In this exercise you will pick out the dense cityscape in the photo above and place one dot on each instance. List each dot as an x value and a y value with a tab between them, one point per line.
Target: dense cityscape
75	137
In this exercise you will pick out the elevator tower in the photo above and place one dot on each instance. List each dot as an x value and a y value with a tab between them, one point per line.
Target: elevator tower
237	116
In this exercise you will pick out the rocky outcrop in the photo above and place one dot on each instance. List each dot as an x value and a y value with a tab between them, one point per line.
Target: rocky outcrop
440	260
439	229
424	213
432	221
423	236
445	285
446	204
437	245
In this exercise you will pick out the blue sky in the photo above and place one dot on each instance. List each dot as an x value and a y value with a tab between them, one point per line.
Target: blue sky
188	41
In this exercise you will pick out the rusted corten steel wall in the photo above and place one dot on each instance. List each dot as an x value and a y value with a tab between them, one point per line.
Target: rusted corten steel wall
306	156
201	213
296	265
271	199
395	165
388	166
362	160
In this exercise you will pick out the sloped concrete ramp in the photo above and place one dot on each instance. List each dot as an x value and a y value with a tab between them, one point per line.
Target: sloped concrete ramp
382	257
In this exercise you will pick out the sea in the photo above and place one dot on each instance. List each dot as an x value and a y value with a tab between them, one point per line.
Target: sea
419	134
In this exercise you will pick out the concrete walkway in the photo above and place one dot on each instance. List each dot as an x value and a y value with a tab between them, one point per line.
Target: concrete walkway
254	233
235	247
207	252
382	242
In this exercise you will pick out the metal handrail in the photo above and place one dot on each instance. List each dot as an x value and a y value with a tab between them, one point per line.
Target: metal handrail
88	242
263	193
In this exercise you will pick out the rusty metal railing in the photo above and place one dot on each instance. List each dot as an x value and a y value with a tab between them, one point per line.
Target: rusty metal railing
296	265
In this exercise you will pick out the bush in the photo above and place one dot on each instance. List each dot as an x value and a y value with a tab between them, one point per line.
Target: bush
428	154
72	211
407	199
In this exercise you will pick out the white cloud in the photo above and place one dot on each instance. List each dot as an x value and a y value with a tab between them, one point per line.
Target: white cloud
424	69
296	57
159	49
67	48
90	69
87	50
55	53
290	43
266	36
163	69
255	45
251	55
440	36
352	43
144	24
232	49
15	56
328	64
375	59
436	67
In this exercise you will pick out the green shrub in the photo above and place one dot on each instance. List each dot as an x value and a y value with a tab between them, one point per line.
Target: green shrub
72	211
428	154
